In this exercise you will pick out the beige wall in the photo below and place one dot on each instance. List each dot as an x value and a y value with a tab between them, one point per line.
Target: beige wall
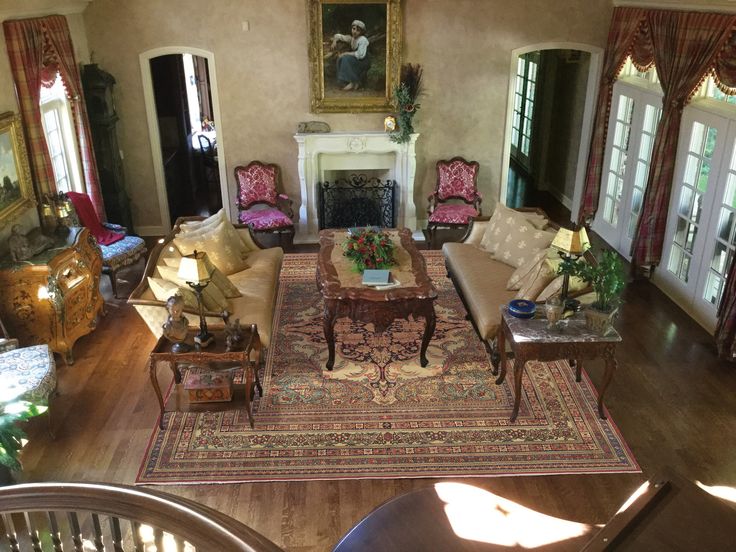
15	9
464	45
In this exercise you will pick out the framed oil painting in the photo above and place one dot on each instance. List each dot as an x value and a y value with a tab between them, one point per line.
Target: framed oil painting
16	191
354	55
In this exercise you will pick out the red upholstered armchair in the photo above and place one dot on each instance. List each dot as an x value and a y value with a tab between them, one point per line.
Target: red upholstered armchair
260	205
456	199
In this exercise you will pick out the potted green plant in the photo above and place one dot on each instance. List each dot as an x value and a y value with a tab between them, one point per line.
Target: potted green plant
608	279
12	436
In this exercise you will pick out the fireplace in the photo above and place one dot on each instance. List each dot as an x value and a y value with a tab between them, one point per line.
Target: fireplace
356	201
328	157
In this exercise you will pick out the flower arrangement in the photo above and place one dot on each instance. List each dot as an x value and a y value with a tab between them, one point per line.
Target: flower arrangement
407	92
369	248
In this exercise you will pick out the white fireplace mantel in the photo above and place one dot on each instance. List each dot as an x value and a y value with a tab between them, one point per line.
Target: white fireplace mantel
322	152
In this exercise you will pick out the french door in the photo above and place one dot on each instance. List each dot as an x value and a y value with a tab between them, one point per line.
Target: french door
701	225
635	113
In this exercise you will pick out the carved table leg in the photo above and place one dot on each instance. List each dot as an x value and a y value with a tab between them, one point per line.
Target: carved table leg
329	328
519	363
577	365
257	349
248	392
430	319
154	381
611	365
501	351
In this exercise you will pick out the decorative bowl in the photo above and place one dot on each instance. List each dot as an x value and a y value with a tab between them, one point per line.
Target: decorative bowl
521	308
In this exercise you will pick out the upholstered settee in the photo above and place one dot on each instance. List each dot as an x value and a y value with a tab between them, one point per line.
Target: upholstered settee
244	282
501	258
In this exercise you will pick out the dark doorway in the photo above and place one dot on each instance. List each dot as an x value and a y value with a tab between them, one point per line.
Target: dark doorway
549	101
188	137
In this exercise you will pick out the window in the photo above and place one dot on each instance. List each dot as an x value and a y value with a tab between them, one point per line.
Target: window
524	97
60	138
635	113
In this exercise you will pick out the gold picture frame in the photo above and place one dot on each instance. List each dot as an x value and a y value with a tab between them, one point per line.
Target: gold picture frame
16	189
375	78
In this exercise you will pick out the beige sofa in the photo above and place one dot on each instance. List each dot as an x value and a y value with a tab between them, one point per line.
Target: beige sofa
257	285
481	280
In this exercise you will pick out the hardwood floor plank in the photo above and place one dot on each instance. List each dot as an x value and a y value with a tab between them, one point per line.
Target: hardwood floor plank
673	400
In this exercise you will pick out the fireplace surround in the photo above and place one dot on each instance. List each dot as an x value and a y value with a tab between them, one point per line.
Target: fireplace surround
322	156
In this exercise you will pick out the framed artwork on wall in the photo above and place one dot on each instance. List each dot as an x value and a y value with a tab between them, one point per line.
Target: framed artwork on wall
16	190
354	55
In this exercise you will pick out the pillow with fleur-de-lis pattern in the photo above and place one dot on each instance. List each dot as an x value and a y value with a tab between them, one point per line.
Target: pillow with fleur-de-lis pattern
512	238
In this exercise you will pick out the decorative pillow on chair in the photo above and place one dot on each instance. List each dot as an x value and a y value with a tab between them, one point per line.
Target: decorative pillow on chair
221	243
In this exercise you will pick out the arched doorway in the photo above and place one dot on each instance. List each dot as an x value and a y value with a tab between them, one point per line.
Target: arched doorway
552	91
182	108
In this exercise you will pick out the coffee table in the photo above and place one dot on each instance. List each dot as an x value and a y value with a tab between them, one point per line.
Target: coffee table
345	295
532	340
214	358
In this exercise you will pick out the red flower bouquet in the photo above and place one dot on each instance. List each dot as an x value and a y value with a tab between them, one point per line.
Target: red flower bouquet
369	248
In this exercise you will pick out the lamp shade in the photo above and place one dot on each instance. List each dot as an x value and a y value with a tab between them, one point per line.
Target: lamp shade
572	242
193	268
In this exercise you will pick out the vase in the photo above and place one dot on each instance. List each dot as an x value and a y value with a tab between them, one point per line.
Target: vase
600	322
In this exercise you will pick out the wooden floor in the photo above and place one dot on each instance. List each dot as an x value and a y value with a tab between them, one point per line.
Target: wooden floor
674	402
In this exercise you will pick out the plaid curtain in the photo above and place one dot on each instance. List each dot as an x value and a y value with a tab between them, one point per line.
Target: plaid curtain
25	47
624	26
726	326
39	48
686	45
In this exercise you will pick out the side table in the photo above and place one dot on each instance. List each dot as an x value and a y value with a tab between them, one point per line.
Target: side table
532	340
211	358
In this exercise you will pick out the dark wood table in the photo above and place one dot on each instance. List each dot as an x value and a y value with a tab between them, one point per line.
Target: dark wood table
533	340
214	358
345	296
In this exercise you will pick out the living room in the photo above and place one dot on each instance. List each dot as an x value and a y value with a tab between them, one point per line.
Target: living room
671	397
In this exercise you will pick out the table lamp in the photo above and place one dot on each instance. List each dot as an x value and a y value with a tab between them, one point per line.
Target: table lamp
570	244
193	270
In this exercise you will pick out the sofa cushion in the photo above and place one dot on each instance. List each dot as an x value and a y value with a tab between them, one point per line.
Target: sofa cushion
521	273
209	222
163	289
227	288
511	236
221	243
213	298
536	280
482	281
554	287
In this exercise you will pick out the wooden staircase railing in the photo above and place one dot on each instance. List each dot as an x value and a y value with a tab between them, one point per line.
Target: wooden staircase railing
86	517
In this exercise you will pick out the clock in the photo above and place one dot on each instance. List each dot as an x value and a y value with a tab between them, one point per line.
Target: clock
389	123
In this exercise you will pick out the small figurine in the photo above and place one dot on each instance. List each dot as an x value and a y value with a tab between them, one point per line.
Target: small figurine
233	333
24	246
176	325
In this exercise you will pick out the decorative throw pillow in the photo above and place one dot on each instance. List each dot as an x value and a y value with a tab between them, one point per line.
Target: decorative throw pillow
536	280
520	274
492	235
163	289
227	288
212	297
521	241
222	244
209	222
555	287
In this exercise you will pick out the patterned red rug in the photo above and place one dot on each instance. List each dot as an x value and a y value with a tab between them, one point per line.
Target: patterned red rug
379	414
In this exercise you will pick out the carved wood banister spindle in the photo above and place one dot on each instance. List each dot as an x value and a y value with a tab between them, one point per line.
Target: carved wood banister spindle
76	532
116	534
99	543
10	532
55	533
32	533
137	542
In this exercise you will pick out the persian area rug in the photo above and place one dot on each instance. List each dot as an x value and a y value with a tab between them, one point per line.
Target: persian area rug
379	414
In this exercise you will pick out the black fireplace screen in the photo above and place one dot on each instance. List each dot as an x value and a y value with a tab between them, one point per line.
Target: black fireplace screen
356	201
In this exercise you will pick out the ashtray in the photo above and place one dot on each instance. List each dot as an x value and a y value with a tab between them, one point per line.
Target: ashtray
521	308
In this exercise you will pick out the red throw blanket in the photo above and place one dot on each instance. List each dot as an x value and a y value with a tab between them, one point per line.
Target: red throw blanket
88	217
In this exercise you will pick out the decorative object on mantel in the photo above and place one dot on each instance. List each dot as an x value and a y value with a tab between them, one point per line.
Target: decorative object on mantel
407	93
176	325
58	213
193	270
313	126
369	248
389	123
24	246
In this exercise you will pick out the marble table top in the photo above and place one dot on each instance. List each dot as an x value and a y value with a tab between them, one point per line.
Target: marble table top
569	330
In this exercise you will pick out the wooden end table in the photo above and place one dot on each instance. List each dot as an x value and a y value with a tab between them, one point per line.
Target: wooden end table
344	294
214	358
532	340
